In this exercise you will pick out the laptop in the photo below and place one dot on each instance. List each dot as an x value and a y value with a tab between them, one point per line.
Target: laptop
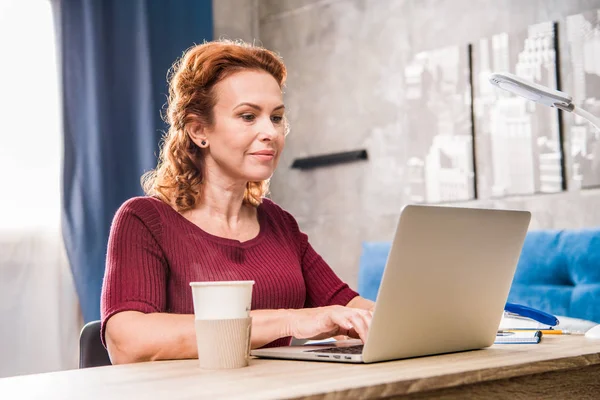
444	287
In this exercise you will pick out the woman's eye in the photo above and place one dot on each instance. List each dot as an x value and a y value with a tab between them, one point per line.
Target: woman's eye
277	119
248	117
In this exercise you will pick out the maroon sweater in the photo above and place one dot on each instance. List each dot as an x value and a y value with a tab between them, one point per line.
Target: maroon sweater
154	253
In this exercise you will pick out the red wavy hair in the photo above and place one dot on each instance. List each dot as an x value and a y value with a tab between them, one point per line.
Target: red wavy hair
178	177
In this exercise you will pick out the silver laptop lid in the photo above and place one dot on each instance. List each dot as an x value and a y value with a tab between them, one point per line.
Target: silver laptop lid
446	281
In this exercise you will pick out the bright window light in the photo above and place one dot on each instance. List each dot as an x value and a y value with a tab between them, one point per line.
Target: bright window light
30	117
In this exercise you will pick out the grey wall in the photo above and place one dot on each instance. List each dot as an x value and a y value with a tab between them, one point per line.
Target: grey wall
236	19
345	61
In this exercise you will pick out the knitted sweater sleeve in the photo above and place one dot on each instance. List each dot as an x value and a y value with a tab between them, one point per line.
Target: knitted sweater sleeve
323	286
135	277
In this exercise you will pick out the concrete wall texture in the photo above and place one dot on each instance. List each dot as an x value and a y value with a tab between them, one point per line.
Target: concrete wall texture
346	60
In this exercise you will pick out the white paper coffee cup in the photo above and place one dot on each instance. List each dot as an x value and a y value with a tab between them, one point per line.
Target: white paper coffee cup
223	343
222	299
223	323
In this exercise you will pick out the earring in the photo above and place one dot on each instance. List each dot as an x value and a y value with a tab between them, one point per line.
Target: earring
203	143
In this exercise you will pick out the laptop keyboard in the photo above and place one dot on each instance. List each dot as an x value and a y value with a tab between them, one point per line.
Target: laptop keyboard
340	350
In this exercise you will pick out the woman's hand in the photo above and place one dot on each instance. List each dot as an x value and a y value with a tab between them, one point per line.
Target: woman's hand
361	302
325	322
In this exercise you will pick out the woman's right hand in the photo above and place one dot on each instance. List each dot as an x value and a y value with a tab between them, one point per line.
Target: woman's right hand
325	322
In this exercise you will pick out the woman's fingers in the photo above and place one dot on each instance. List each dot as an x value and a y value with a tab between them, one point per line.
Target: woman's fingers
353	322
343	321
361	321
332	321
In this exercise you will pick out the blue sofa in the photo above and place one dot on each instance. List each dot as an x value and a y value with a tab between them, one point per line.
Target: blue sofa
558	272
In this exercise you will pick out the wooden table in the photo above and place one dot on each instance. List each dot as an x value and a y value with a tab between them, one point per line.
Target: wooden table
559	367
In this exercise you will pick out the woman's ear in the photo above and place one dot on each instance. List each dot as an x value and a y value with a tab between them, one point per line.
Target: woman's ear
197	134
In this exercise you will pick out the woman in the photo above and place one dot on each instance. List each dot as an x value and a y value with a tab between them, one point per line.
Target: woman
205	218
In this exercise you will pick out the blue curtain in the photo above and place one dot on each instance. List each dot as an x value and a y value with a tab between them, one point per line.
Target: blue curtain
115	58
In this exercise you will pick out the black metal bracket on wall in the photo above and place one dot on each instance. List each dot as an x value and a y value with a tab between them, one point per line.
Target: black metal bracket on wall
329	159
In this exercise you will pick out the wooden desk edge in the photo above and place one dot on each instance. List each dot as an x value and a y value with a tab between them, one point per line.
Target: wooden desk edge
449	381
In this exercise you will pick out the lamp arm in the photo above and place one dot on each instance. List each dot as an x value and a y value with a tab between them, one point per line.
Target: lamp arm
587	116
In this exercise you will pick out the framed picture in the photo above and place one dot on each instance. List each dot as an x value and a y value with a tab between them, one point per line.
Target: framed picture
517	141
439	125
581	80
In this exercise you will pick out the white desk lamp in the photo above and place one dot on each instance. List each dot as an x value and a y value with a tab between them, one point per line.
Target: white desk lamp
541	94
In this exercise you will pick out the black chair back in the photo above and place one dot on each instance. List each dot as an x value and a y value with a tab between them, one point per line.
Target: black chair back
91	351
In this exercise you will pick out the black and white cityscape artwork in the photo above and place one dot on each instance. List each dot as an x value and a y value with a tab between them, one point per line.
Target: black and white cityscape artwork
581	80
517	141
440	132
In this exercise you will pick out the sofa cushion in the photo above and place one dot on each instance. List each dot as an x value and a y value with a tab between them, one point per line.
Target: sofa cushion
555	299
558	272
372	263
542	260
581	252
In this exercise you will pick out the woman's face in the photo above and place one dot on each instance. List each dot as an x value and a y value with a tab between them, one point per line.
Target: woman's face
248	135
